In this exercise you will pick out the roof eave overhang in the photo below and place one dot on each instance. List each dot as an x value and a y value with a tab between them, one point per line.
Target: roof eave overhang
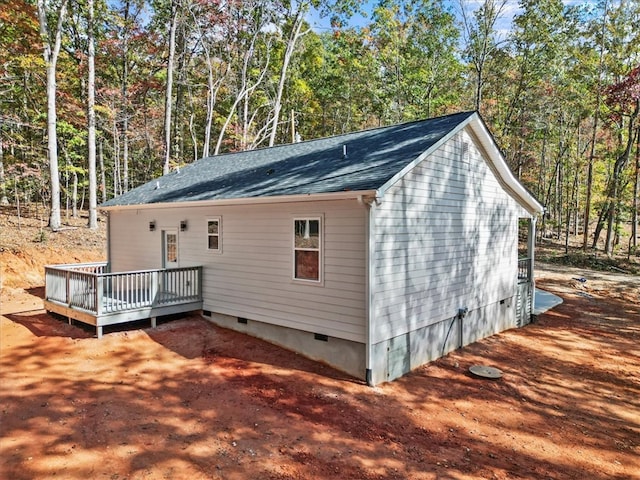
311	197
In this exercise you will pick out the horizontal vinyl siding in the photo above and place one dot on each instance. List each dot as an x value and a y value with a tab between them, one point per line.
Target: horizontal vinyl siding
252	276
445	238
131	245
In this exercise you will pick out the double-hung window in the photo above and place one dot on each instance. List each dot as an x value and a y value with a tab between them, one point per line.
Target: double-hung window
214	234
307	249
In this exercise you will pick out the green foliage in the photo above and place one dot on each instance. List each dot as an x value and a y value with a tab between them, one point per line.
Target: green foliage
41	237
539	86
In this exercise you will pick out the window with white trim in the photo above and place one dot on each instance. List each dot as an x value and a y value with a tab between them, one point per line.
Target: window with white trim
214	234
307	249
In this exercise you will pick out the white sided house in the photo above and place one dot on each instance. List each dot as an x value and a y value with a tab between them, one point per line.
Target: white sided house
374	252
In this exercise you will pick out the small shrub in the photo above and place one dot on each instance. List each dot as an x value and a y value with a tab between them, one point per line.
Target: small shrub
41	237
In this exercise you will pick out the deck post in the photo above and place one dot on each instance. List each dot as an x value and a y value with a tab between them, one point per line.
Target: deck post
155	287
99	293
154	322
99	331
67	278
531	247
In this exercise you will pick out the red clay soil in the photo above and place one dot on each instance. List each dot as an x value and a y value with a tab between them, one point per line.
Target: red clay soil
189	400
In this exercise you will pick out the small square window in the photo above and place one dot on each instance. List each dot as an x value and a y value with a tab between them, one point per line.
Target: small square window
214	231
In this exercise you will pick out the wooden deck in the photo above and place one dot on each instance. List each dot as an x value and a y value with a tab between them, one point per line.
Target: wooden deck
89	293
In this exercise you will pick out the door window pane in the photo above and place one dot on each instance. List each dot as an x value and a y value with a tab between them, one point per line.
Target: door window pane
172	247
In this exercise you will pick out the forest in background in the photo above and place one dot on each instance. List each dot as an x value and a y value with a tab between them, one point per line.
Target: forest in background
98	97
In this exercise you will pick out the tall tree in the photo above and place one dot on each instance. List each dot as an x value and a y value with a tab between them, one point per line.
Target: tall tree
251	59
128	23
3	185
20	61
50	12
91	116
168	103
415	44
217	58
635	213
624	98
480	38
295	18
344	103
594	134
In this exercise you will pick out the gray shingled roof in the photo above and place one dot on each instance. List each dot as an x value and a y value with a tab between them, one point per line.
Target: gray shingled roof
310	167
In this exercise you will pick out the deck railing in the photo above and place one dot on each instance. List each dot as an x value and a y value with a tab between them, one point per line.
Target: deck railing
524	270
92	288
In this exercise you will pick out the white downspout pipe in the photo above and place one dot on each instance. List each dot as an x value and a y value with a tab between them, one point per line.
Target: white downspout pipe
368	204
109	241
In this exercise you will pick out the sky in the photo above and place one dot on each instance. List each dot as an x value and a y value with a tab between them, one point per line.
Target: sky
503	26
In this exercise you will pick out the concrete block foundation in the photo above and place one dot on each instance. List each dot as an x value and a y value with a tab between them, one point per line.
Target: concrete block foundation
344	355
392	358
395	357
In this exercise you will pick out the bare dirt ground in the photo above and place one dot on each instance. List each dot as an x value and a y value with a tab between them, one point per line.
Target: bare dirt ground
189	400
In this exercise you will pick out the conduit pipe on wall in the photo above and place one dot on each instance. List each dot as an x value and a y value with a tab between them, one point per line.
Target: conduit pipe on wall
462	312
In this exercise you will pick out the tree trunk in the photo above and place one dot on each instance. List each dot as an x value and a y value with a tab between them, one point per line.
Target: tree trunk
244	90
116	160
571	195
103	174
125	101
168	102
592	153
17	197
74	198
3	183
614	187
291	45
91	120
587	200
480	38
212	95
211	101
50	54
66	184
636	192
213	86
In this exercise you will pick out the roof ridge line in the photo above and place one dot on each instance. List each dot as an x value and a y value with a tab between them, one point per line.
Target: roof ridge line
354	132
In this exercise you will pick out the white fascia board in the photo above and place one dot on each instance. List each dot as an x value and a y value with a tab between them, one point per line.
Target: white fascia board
499	163
312	197
425	154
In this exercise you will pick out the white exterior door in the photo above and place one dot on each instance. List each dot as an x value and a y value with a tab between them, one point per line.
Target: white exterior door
170	248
